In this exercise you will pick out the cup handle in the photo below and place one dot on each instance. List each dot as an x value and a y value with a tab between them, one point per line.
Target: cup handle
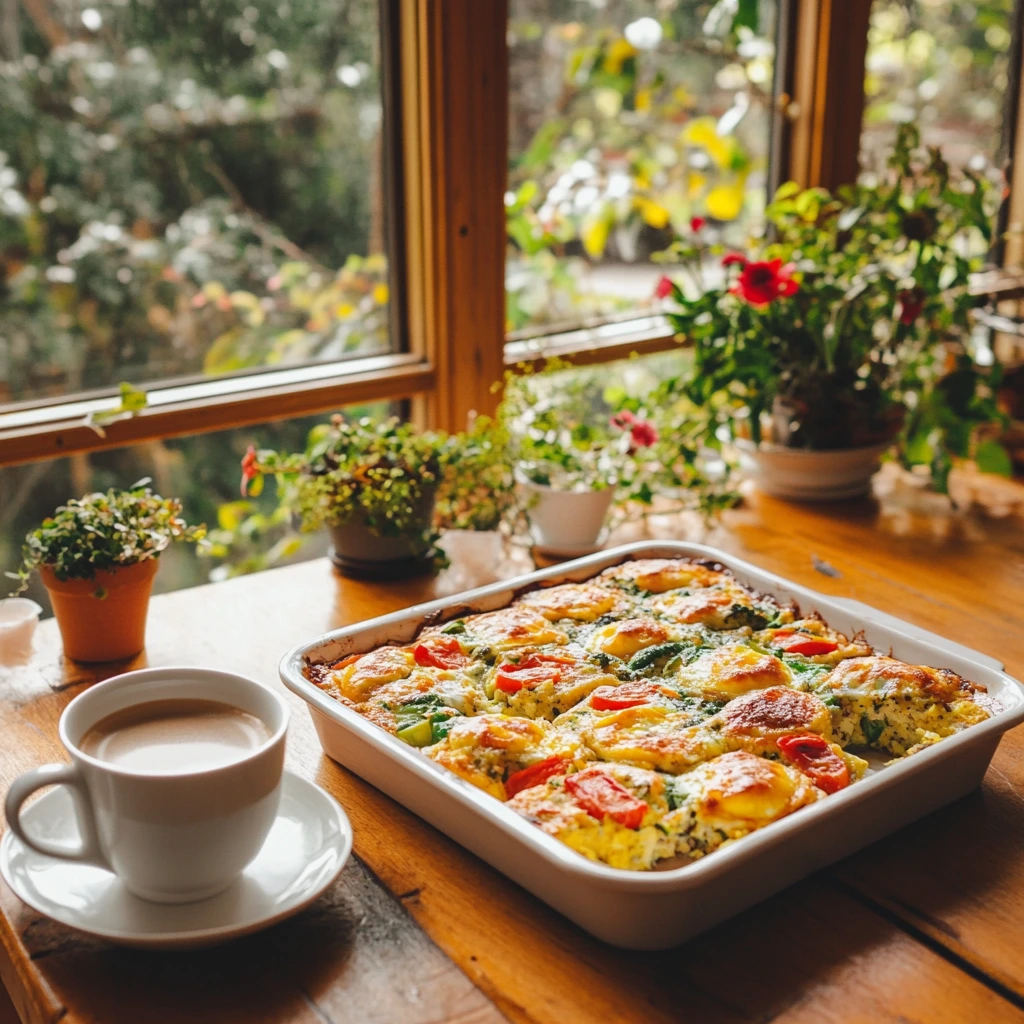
88	850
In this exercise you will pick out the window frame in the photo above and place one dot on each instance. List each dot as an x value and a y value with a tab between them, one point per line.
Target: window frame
445	83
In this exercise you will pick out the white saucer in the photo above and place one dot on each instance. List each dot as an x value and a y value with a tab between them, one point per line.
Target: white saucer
304	853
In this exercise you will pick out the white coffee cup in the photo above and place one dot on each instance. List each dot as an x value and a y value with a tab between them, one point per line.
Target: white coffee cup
170	837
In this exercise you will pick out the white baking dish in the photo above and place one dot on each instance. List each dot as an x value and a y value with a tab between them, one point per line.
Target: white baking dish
658	909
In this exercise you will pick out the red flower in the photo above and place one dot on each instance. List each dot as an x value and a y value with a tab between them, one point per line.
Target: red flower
696	223
664	288
643	434
911	305
761	283
250	469
732	258
623	420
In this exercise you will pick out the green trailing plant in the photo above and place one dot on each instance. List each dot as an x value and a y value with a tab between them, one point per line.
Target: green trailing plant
849	324
104	531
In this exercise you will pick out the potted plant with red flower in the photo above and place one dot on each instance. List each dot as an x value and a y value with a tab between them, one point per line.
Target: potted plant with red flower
581	447
845	332
384	491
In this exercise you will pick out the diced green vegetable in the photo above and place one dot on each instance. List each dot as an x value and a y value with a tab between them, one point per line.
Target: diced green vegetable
419	734
741	615
441	725
674	793
872	728
458	626
650	656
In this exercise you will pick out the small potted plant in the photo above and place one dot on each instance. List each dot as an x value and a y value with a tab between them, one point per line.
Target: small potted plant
97	557
575	454
384	491
845	332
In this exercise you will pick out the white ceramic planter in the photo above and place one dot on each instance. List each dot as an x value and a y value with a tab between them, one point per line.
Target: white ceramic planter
805	475
566	521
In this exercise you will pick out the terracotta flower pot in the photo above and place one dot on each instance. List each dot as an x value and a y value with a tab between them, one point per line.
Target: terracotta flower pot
102	619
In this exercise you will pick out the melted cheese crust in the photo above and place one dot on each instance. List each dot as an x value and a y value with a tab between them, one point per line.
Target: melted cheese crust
583	602
661	574
776	711
739	792
384	665
513	627
692	729
726	672
629	637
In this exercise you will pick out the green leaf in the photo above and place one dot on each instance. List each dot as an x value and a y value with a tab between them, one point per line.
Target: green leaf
786	190
992	457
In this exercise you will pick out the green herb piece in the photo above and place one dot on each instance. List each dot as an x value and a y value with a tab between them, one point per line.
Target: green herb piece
674	794
872	728
741	615
456	627
650	656
441	725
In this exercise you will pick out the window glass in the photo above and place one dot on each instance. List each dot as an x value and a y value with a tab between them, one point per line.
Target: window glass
628	118
203	471
944	66
187	188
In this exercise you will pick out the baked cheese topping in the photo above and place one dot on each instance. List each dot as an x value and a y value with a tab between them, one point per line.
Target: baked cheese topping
729	671
583	602
658	575
655	713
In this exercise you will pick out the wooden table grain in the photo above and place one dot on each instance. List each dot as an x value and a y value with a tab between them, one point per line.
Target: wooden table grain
925	926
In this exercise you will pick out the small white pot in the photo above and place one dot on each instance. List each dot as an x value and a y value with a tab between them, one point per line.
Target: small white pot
567	521
18	618
802	474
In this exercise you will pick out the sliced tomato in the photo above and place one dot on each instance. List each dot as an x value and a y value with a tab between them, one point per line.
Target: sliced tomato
618	698
533	670
534	775
803	643
440	652
602	797
817	760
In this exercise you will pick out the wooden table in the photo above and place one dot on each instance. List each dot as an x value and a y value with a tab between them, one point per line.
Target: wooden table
926	926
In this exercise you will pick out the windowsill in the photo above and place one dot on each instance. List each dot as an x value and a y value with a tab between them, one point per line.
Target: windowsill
597	344
44	431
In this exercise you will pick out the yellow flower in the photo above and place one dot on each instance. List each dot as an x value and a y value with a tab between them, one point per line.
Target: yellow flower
653	213
616	55
595	237
380	294
725	202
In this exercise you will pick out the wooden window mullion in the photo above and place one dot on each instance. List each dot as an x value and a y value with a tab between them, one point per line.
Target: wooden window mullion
454	61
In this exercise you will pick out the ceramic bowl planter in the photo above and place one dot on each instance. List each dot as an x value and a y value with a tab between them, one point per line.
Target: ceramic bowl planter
104	618
359	552
566	522
802	474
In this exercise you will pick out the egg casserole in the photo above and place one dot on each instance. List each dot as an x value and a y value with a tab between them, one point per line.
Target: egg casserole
654	713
